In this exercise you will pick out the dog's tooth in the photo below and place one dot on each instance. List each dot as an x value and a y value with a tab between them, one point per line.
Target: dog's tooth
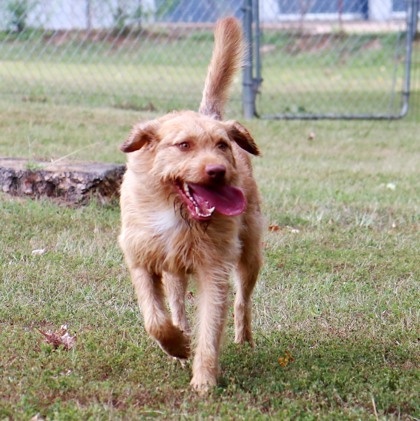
206	215
211	210
186	188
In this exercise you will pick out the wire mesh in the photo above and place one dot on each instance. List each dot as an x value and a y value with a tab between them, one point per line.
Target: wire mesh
140	54
318	57
342	59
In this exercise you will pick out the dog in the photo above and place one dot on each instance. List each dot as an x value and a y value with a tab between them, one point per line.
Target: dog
190	207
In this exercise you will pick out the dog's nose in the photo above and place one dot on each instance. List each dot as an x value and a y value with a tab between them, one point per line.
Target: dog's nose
216	172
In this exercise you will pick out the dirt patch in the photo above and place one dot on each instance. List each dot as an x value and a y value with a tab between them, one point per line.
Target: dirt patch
307	43
113	37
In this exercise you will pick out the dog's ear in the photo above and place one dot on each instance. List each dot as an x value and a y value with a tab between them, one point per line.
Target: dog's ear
242	137
140	134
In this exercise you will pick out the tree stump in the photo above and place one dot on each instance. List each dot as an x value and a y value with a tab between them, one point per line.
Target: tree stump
72	182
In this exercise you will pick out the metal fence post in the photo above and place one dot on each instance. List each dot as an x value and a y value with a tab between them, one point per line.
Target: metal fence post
248	96
258	78
412	12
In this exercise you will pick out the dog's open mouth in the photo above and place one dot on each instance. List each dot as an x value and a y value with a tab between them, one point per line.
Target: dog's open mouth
203	200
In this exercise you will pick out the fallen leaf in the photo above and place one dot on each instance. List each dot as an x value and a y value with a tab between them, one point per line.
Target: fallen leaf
274	228
59	338
284	361
38	252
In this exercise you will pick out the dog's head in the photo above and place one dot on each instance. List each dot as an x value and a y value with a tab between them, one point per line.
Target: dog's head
193	156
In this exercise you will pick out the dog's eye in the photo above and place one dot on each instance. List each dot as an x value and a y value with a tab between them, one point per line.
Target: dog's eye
223	146
184	146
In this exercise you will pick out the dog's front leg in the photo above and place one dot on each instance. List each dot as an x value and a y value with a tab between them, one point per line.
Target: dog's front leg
176	288
150	296
212	307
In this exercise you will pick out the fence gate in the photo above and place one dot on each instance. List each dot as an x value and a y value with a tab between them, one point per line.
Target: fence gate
317	59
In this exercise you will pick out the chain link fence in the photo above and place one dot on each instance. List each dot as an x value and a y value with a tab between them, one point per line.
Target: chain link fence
313	57
332	59
138	54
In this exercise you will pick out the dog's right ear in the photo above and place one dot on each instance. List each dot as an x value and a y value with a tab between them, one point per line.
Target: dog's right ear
140	134
242	137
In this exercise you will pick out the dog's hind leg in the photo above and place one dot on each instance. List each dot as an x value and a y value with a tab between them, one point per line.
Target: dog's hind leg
150	294
176	288
245	278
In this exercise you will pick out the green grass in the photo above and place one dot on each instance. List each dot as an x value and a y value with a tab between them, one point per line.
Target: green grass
338	291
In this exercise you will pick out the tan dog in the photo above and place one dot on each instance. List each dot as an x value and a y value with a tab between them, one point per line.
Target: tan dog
190	206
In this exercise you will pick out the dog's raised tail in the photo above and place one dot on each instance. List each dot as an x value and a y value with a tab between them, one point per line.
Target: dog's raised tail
226	60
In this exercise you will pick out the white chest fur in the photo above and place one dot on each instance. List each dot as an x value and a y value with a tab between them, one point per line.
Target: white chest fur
164	222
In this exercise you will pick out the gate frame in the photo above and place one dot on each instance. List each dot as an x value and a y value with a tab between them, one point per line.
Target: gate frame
251	85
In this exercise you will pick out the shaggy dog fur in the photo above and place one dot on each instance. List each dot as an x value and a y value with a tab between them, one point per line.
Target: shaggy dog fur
190	207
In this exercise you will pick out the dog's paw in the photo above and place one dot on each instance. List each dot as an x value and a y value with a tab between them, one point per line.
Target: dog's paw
175	343
182	362
203	384
245	337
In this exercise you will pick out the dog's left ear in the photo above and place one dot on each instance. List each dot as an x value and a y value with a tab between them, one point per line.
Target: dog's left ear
242	137
140	134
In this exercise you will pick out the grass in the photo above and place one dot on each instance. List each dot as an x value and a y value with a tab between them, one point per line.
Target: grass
336	307
335	310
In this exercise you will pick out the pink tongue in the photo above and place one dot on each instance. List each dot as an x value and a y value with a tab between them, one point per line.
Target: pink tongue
227	200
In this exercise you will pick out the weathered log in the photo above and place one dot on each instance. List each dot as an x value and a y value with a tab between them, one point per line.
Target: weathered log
70	182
